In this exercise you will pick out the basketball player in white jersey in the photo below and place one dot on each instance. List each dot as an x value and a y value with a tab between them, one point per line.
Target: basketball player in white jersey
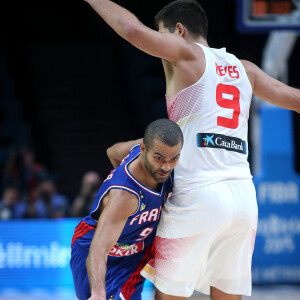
206	235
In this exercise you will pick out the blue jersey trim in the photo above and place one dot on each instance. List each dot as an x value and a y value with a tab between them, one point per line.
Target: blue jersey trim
134	147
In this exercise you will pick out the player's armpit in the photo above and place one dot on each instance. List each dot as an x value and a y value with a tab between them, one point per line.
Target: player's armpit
272	90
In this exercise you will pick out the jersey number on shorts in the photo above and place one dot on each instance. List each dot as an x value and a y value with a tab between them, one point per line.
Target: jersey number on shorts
228	96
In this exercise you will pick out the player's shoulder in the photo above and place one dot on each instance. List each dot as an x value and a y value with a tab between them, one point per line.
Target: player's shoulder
124	193
190	51
250	67
123	202
198	50
251	70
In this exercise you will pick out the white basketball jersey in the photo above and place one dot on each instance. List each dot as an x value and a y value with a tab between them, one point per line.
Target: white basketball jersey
213	115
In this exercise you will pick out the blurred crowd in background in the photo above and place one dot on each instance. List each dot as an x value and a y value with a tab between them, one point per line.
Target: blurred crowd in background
71	88
29	190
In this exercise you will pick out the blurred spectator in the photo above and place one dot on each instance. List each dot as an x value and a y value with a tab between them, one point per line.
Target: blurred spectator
11	206
12	170
33	172
49	203
23	172
82	204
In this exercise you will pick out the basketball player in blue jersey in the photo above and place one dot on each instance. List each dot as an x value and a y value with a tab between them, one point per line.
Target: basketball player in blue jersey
113	243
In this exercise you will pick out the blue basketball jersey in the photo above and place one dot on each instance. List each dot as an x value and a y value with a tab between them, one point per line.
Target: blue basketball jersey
133	248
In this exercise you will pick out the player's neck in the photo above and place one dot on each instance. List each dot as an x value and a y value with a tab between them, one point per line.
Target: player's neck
201	41
192	39
140	173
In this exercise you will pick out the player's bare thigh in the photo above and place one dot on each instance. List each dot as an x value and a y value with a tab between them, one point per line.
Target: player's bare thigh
215	294
161	296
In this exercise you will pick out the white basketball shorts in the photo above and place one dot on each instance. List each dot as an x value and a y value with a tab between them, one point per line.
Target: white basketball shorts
206	238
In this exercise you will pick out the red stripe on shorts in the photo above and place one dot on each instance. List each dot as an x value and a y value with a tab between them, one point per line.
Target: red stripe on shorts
130	285
81	229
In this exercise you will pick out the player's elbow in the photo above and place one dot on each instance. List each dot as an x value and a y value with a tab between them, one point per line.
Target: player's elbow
298	102
295	101
109	152
298	106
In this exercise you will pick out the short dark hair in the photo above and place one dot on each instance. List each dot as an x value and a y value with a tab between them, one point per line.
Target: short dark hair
164	130
188	12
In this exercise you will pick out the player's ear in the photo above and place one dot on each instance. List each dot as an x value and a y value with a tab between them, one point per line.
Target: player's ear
143	149
180	29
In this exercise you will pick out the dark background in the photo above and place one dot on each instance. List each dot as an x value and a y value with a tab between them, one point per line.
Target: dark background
70	87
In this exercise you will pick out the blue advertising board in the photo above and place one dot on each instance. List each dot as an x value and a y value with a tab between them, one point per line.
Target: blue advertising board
34	259
276	256
36	253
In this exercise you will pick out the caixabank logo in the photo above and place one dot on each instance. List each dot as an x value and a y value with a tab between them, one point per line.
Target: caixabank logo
213	140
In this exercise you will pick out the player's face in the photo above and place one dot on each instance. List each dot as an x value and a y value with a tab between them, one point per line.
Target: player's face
160	160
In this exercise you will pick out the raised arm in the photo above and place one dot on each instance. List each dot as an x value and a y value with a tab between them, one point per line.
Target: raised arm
120	205
272	90
164	45
118	151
